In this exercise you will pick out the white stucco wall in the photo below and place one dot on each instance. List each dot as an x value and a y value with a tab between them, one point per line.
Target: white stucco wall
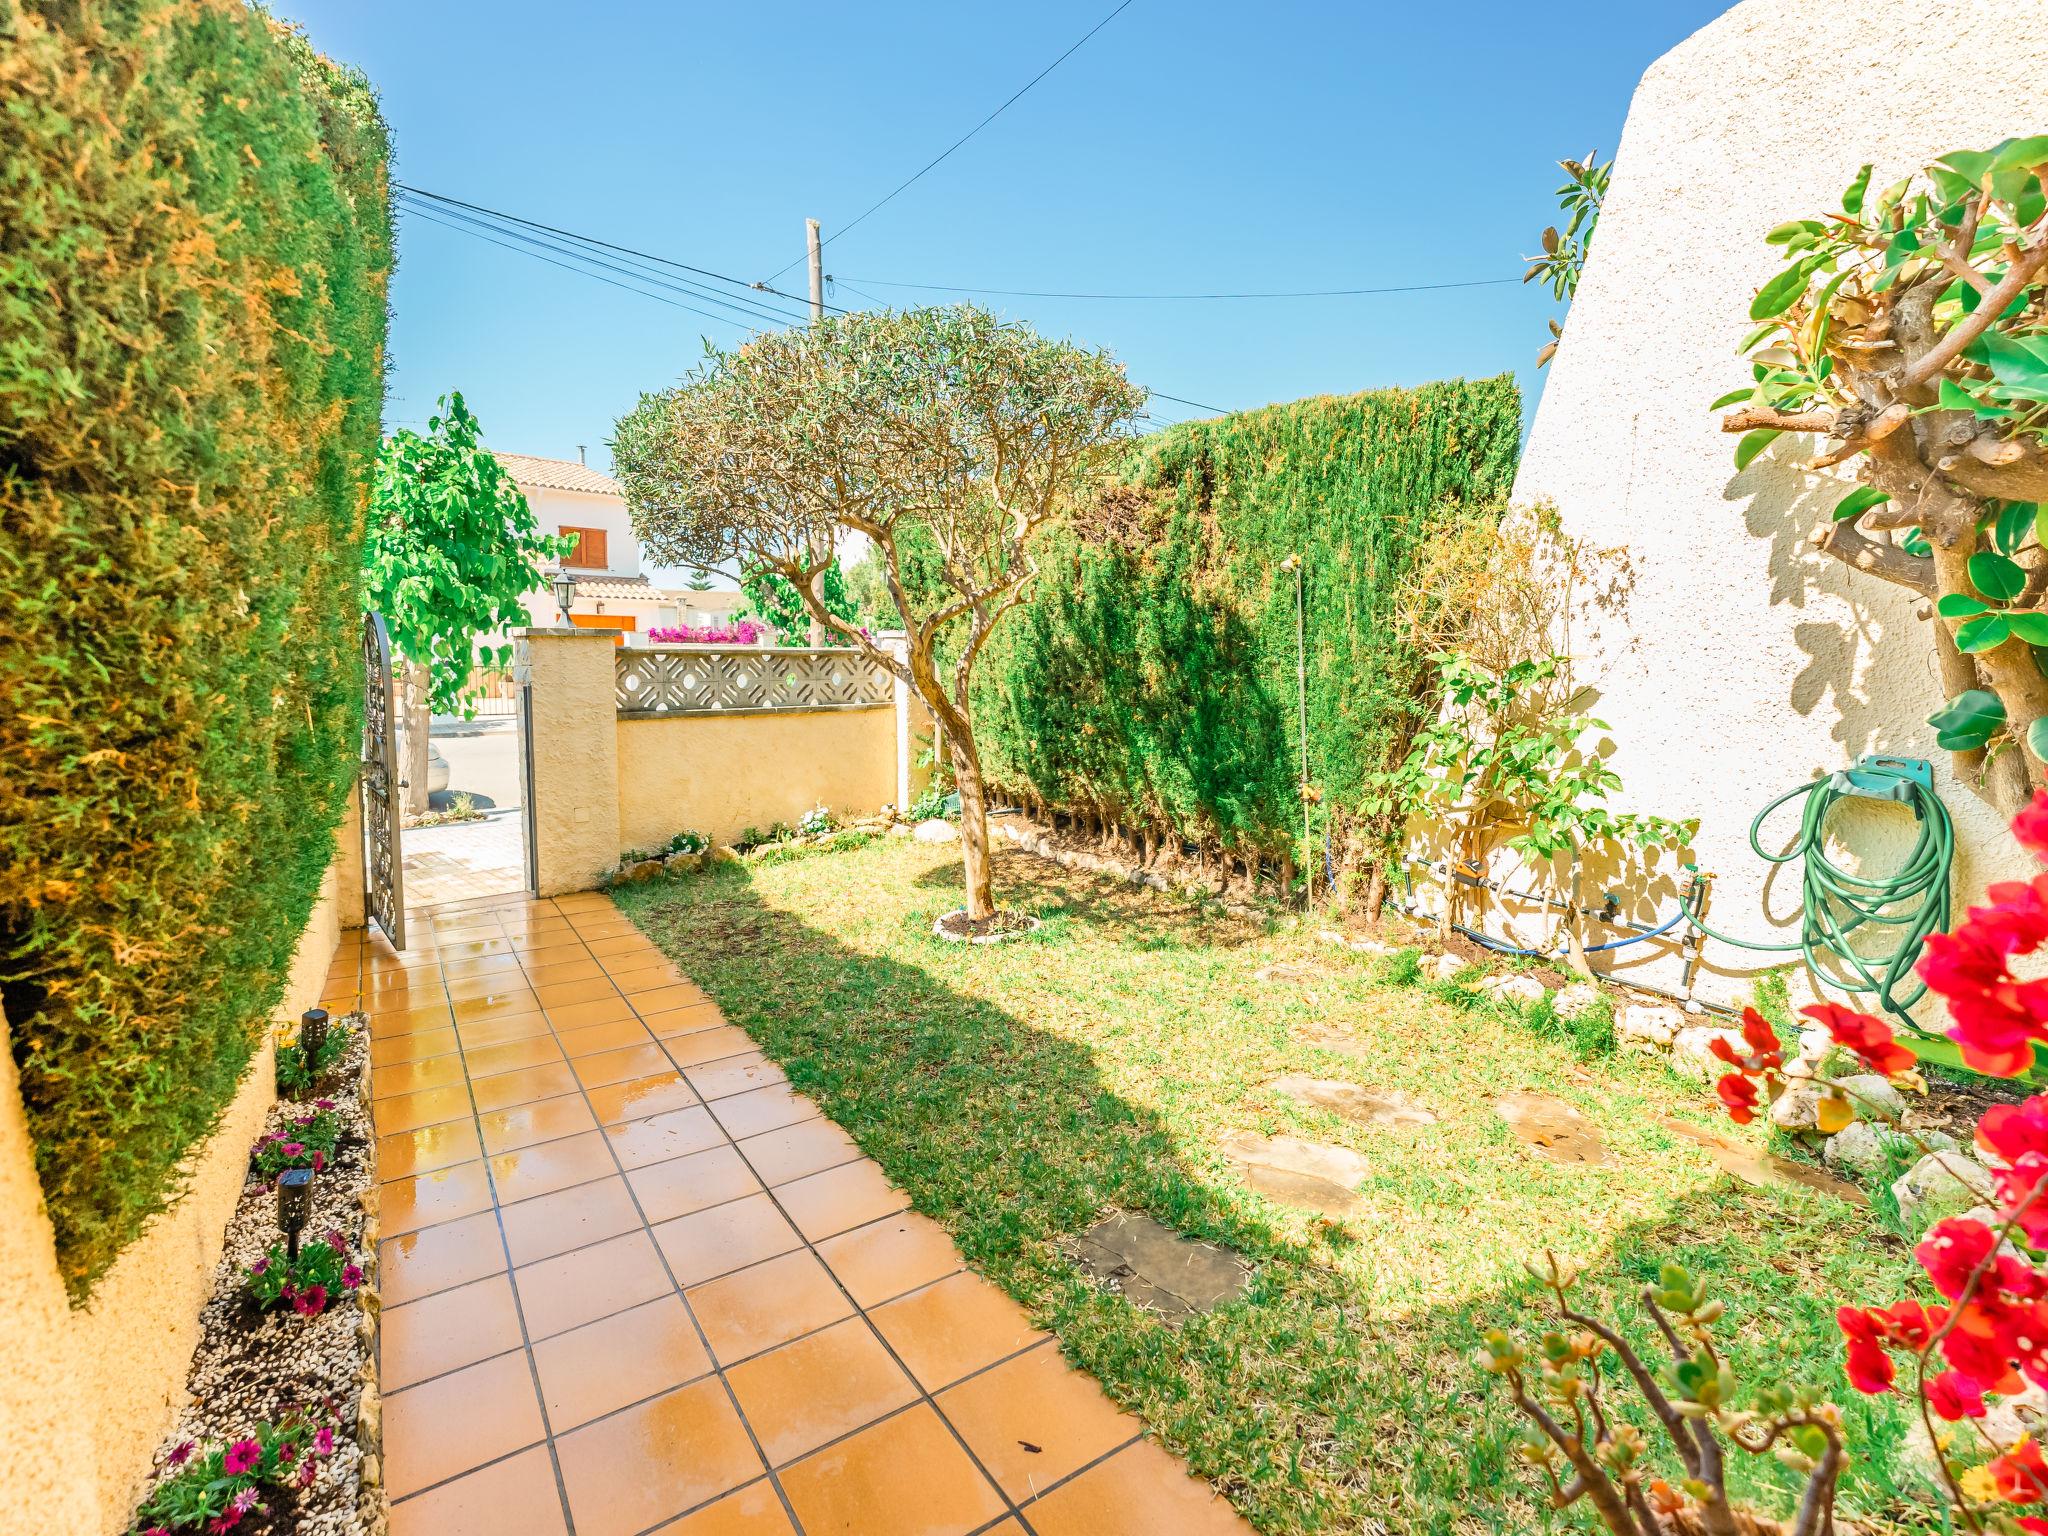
1745	664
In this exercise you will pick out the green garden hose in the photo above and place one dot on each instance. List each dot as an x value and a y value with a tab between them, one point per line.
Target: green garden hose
1835	903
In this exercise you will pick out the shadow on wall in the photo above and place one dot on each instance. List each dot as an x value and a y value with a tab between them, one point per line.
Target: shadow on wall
1313	1401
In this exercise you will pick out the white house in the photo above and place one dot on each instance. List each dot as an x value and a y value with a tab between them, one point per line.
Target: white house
612	591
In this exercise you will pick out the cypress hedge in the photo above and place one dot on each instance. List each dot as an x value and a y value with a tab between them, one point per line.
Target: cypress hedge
1149	682
195	237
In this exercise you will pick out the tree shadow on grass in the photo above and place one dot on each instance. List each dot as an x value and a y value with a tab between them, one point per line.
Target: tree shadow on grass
1150	918
1312	1412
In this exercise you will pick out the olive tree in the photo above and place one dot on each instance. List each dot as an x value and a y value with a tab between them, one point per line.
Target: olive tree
946	436
1908	334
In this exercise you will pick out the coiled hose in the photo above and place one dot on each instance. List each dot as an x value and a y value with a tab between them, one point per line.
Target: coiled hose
1836	902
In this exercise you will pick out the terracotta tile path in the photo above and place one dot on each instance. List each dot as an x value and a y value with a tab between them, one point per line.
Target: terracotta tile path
634	1283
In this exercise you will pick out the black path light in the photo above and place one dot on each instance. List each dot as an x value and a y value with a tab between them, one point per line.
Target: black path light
294	1206
312	1035
565	595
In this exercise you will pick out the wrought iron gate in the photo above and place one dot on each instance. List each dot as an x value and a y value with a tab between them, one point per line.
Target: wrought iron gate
383	863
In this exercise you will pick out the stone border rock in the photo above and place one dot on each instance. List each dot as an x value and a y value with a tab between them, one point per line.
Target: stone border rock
1034	838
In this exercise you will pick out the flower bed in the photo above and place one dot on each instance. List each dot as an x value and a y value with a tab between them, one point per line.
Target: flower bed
279	1434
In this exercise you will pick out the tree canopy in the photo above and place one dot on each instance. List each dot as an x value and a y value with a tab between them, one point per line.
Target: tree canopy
944	430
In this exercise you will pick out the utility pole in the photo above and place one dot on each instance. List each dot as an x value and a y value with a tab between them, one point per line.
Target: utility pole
817	254
817	269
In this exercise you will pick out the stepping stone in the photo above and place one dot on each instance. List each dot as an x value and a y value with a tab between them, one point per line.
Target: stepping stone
1551	1126
1331	1037
1377	1108
1310	1175
1160	1269
1760	1168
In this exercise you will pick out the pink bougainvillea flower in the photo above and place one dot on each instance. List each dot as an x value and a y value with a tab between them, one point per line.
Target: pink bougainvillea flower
1869	1366
311	1302
1739	1094
1870	1038
1954	1397
241	1456
324	1441
2010	1131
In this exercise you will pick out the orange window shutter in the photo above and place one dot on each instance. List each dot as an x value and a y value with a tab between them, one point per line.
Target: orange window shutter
594	547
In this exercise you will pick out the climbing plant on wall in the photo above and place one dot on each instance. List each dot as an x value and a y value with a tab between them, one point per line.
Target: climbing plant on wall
1908	334
192	309
1149	681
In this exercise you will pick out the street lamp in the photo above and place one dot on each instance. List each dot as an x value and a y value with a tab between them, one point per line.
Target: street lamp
565	594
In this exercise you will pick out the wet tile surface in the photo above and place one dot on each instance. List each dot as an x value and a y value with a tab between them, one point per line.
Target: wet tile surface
635	1283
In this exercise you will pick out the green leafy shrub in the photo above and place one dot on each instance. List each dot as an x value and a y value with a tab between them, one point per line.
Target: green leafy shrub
307	1284
192	307
215	1488
299	1070
307	1142
1149	678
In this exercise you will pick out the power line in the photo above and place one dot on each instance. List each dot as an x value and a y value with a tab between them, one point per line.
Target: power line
1220	410
579	271
1302	293
751	309
970	133
624	250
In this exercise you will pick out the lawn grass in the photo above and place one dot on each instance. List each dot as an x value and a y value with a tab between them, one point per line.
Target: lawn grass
1017	1090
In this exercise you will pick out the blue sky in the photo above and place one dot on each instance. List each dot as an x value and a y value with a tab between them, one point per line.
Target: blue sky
1189	146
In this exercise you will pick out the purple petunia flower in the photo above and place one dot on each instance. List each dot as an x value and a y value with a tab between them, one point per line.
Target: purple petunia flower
305	1119
324	1441
241	1456
243	1502
292	1148
259	1267
181	1453
336	1241
352	1275
323	1103
308	1470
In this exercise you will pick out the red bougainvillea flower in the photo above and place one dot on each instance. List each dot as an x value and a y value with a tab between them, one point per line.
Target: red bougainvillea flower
1765	1052
1869	1366
2020	1475
2010	1131
1869	1037
1739	1094
240	1457
2031	825
1951	1252
1954	1396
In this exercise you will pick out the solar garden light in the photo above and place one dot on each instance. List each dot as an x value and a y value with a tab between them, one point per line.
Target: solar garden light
312	1035
565	594
294	1206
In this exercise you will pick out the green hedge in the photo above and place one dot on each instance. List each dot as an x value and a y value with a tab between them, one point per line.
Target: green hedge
1150	678
195	238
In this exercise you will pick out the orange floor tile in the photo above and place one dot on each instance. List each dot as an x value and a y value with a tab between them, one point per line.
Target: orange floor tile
635	1283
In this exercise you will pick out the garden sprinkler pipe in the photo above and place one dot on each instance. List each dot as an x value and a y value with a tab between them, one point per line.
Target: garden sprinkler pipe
1308	870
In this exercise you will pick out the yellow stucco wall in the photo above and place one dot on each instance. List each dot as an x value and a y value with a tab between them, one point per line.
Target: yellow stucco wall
719	774
86	1395
573	754
1744	663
